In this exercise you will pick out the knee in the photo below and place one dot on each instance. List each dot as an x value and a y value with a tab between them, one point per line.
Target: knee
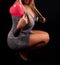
47	38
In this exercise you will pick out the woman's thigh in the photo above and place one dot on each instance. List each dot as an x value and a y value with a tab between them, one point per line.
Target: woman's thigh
37	37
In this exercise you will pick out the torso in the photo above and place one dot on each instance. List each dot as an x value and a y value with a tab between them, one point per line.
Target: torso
29	10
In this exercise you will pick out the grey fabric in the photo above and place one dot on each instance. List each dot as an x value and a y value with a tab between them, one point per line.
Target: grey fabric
22	40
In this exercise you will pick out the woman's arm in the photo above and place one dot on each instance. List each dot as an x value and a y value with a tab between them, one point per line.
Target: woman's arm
39	16
22	22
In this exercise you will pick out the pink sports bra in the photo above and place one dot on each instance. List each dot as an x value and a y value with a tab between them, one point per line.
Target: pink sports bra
16	9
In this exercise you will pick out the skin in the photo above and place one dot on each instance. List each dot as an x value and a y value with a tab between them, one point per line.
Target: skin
38	37
27	2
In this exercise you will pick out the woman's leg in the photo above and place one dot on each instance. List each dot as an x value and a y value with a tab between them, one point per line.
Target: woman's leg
38	39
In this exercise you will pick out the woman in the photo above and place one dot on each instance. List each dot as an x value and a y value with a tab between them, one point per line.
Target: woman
21	35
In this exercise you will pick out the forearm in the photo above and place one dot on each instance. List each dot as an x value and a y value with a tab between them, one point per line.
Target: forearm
22	22
19	26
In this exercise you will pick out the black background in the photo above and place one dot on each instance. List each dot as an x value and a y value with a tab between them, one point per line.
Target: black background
44	56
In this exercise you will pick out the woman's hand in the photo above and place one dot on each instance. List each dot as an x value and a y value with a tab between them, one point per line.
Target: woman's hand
42	19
